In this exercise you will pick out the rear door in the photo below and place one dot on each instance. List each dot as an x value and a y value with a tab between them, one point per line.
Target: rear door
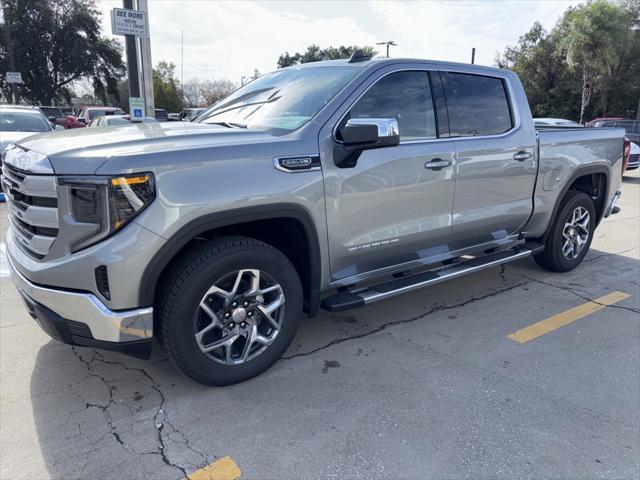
496	159
391	208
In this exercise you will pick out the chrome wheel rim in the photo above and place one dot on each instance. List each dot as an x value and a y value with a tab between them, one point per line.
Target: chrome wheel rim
575	234
239	316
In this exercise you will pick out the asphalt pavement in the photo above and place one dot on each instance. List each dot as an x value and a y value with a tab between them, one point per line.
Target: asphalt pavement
513	372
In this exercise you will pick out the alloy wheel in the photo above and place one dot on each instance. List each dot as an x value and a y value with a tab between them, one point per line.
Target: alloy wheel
239	316
575	234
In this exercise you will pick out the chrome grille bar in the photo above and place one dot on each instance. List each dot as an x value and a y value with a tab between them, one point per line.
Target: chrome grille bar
32	209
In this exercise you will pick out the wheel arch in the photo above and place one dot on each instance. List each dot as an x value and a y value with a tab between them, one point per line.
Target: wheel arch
583	179
243	221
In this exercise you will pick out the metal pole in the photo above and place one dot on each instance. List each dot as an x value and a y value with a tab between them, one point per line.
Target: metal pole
146	65
182	63
387	50
473	55
12	64
132	58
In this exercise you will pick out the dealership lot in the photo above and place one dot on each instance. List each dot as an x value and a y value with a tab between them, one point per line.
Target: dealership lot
445	382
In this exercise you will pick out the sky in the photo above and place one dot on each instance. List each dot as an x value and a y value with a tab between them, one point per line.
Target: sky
231	39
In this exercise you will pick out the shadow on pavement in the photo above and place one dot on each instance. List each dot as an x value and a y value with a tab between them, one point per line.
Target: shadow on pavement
104	415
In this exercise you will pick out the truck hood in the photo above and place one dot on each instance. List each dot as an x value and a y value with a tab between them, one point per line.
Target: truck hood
82	151
7	138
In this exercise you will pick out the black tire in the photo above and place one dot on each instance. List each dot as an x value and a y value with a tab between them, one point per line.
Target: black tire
191	277
552	257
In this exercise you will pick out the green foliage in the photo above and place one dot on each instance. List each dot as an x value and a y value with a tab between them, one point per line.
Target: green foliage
54	43
589	61
315	54
166	93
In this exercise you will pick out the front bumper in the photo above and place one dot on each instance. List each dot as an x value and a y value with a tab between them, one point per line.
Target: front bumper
81	319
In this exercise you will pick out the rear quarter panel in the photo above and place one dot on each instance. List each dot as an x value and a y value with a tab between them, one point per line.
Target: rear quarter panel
565	155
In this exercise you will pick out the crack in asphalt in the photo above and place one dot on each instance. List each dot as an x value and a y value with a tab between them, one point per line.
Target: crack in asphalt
160	417
384	326
570	290
597	257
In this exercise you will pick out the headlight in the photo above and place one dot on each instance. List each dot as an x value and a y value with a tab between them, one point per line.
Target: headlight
106	203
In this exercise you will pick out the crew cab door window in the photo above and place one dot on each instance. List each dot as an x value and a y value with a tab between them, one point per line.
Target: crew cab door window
477	105
405	96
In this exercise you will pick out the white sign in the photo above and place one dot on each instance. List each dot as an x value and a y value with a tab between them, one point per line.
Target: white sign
136	109
14	77
129	22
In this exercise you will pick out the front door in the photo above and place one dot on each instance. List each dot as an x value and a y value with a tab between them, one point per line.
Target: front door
391	208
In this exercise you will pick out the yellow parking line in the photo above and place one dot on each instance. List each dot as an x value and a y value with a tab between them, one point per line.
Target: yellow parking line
565	318
223	469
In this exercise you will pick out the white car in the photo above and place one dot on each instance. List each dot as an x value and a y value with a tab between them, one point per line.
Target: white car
18	122
634	158
554	122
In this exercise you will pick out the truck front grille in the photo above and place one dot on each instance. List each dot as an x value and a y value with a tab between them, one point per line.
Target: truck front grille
33	209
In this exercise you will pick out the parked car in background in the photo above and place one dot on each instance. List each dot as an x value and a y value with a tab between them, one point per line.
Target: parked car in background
161	115
190	114
597	122
634	157
632	127
57	116
112	120
174	116
554	122
18	122
86	114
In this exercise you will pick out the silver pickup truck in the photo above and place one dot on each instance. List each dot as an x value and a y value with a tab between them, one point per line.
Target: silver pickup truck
327	185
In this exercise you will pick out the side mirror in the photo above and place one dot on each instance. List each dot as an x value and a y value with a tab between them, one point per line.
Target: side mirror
367	133
360	134
53	120
82	120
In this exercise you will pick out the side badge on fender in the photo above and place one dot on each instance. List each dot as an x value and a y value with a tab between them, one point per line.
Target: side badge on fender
303	163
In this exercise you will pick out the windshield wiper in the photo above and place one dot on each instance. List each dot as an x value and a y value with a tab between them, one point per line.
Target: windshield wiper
228	124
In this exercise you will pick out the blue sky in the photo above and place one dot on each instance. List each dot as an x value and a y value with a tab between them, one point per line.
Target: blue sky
230	39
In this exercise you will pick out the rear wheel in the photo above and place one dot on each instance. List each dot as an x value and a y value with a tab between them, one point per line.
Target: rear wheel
571	234
229	310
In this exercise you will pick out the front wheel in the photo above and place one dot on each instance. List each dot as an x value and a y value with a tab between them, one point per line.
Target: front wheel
571	234
229	309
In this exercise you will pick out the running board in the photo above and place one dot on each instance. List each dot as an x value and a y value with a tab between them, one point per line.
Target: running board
358	297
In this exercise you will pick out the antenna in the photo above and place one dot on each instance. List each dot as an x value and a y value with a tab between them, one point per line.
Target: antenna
359	56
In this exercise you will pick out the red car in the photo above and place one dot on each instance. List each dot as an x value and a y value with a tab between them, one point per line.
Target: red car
57	117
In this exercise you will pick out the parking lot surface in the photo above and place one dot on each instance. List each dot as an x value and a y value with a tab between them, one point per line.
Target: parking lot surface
446	382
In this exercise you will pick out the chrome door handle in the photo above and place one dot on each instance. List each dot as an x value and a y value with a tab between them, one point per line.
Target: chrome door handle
522	156
437	164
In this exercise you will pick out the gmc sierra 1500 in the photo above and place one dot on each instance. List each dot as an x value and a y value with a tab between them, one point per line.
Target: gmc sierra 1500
331	184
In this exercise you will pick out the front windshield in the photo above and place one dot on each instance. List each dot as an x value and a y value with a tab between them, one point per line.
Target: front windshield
23	122
282	100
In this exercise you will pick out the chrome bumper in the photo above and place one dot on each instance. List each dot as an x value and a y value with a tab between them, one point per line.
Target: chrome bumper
105	324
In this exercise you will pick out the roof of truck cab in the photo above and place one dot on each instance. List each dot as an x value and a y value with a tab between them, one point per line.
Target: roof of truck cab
381	61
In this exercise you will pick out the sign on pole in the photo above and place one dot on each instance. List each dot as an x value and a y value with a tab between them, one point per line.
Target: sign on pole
136	109
14	77
129	22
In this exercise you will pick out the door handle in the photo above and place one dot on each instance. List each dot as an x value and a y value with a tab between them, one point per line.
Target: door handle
437	164
522	156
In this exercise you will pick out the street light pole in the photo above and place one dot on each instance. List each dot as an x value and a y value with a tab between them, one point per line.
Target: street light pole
390	42
132	58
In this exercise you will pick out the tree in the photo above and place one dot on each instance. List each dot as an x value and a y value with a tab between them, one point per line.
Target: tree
165	87
55	42
588	65
315	54
213	90
596	36
191	92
